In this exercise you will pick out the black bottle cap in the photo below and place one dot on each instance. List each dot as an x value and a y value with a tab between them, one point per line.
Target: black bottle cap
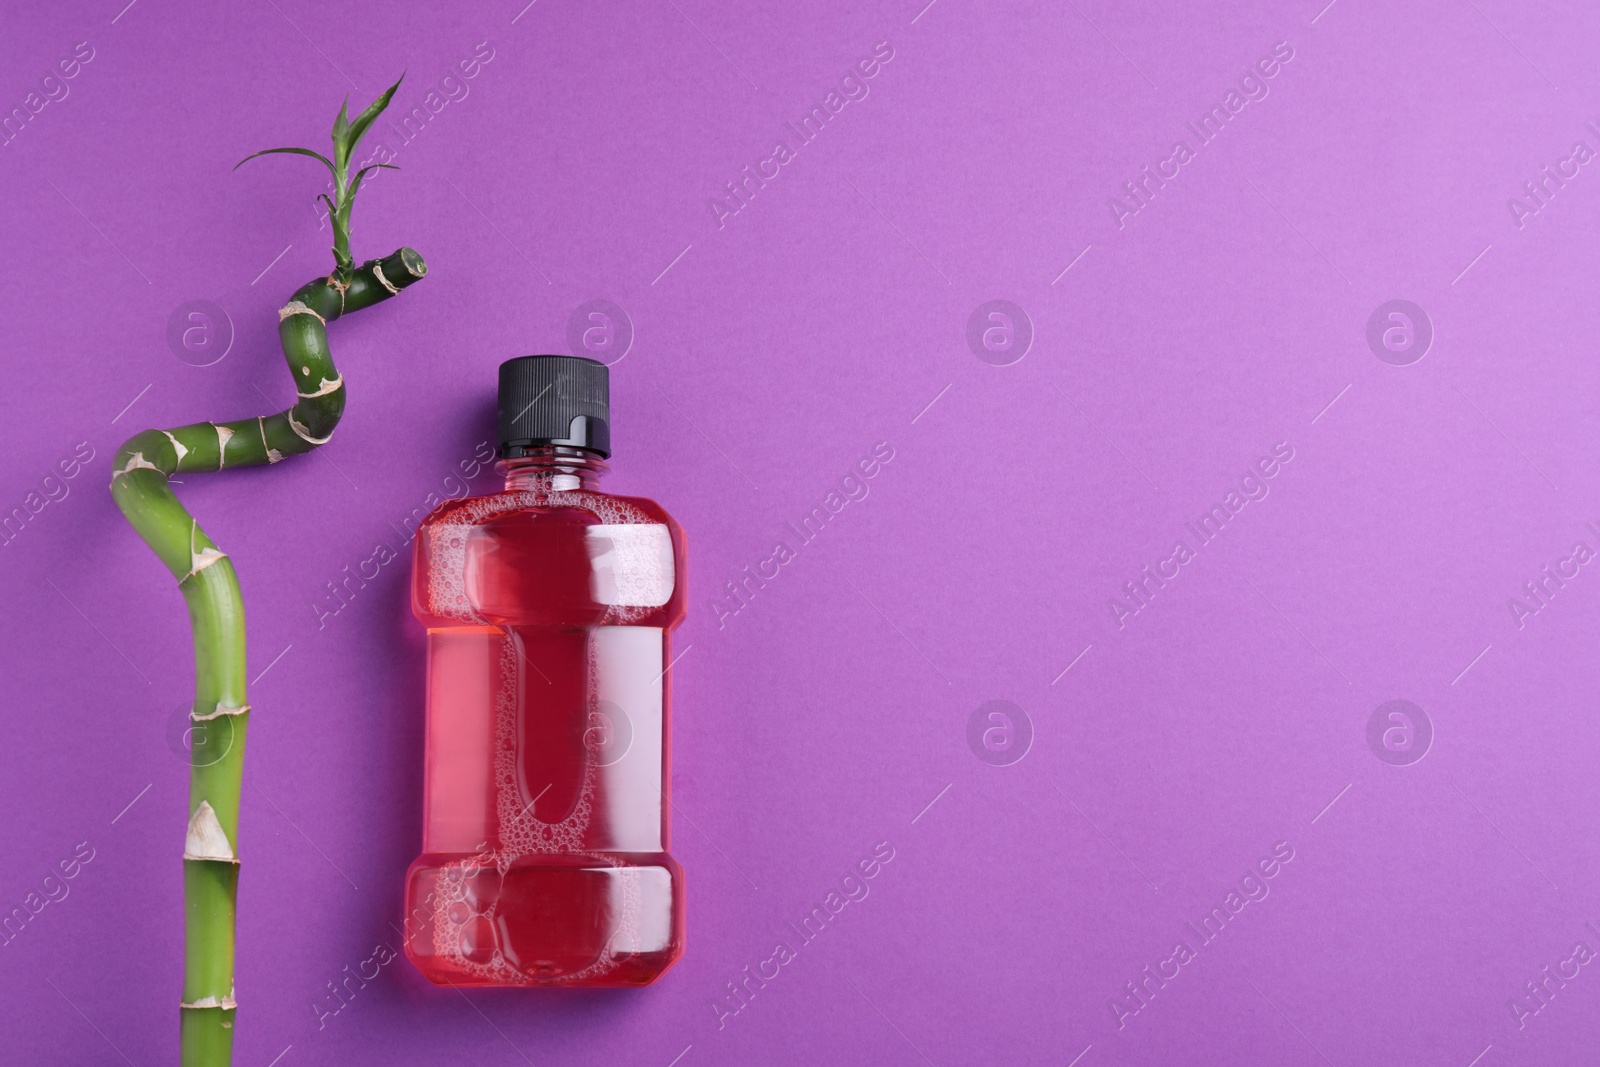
554	400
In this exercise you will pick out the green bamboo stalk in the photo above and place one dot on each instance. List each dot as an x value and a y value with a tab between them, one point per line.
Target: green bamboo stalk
206	577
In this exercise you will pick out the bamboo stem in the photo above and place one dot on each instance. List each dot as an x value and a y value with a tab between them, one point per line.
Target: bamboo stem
210	587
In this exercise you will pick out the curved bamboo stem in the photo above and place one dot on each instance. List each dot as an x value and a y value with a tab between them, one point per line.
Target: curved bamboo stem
210	586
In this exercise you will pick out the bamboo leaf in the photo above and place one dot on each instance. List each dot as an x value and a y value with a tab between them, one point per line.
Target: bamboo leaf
324	160
341	133
355	185
364	121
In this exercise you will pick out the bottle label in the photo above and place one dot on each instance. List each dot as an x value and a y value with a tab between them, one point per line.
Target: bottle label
633	565
625	737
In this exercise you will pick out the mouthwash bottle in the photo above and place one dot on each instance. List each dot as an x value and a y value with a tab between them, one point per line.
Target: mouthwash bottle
549	609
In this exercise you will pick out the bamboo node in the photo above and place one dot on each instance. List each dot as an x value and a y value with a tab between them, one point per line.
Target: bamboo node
177	446
377	272
136	462
226	1003
206	840
339	287
296	307
223	433
329	385
305	435
273	455
199	561
200	558
222	709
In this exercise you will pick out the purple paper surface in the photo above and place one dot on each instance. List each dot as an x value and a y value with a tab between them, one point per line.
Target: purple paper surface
1339	347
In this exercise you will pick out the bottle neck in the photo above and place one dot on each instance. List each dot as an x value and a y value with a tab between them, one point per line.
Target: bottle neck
553	469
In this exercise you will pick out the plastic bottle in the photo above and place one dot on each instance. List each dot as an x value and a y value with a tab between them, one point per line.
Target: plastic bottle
549	609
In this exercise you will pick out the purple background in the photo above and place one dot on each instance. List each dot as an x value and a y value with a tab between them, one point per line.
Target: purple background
772	353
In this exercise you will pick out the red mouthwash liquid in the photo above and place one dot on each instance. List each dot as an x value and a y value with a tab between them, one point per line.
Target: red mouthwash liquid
549	609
